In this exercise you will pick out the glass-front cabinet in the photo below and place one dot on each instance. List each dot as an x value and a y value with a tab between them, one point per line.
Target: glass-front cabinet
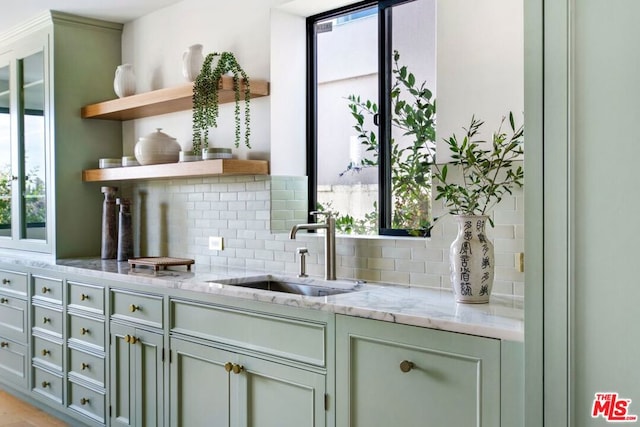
49	68
24	150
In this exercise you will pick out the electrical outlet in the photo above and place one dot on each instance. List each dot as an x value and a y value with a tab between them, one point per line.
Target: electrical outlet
520	262
216	243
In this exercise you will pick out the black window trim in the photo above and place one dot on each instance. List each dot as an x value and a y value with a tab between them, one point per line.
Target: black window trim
385	31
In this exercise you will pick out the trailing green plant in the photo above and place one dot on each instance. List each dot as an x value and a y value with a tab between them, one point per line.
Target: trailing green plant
487	173
205	99
413	114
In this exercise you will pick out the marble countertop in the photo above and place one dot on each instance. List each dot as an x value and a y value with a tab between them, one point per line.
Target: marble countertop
502	318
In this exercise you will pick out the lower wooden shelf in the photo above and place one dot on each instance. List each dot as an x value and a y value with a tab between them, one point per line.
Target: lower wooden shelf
179	170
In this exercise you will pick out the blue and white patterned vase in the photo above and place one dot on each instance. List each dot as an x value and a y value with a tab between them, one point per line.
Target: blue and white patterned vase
471	260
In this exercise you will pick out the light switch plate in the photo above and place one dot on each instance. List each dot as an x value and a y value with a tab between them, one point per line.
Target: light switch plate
216	243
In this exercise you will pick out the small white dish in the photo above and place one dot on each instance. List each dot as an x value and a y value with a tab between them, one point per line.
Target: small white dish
109	163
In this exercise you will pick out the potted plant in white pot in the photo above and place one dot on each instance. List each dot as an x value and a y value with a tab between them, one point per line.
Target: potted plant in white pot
487	173
205	98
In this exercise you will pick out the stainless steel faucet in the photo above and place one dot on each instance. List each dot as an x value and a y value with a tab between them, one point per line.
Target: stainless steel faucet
329	241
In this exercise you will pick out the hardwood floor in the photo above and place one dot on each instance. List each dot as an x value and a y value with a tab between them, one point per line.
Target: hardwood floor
16	413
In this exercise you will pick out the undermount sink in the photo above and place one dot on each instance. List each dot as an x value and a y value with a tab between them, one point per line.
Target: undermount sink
311	289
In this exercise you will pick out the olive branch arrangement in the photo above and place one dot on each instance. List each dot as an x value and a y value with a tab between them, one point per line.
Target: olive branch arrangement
487	174
205	99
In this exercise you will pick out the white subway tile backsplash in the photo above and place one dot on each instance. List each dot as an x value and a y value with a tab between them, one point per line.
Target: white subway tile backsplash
255	222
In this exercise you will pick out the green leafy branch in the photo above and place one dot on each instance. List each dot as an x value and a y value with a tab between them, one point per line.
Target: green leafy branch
414	115
487	174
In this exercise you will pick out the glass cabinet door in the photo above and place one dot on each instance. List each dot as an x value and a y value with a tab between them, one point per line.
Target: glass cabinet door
32	156
6	172
23	167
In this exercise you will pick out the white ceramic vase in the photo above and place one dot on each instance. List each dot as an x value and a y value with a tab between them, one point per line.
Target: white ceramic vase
124	83
192	60
471	260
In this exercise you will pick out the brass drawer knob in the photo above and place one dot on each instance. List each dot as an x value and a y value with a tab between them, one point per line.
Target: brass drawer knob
45	352
45	384
46	320
84	331
4	344
6	281
228	366
84	297
4	300
406	366
133	308
45	290
131	339
84	366
237	368
84	401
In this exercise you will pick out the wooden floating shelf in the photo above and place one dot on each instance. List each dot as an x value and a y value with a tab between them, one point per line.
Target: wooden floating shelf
179	170
164	101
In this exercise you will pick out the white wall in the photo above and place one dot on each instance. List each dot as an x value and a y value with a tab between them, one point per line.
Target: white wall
154	45
480	65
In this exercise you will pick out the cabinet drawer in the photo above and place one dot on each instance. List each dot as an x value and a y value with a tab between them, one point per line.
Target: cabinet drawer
48	320
86	297
87	366
13	362
47	384
135	307
87	402
86	331
294	339
13	318
13	282
47	289
47	352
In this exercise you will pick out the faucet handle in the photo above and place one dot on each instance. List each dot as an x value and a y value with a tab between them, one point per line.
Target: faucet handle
327	214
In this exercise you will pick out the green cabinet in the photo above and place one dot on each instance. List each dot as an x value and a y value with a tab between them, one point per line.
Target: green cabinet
249	364
49	68
389	374
212	386
136	385
14	332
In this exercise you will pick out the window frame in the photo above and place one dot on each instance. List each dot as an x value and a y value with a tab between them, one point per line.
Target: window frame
385	63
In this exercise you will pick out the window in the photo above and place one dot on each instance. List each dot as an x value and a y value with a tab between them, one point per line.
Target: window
367	131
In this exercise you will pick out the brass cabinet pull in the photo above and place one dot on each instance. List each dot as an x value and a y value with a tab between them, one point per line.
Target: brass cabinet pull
45	352
84	401
84	297
46	320
6	281
45	290
4	344
85	366
4	300
233	367
84	331
133	308
45	384
406	366
131	339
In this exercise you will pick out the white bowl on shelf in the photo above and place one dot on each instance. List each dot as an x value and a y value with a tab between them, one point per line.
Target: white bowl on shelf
157	147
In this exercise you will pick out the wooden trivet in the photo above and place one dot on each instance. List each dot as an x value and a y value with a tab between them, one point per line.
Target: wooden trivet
161	261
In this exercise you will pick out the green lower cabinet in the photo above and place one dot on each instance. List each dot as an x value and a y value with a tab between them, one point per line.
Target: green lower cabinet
396	375
214	387
137	377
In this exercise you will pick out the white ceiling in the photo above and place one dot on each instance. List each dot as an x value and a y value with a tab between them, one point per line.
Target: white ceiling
111	10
